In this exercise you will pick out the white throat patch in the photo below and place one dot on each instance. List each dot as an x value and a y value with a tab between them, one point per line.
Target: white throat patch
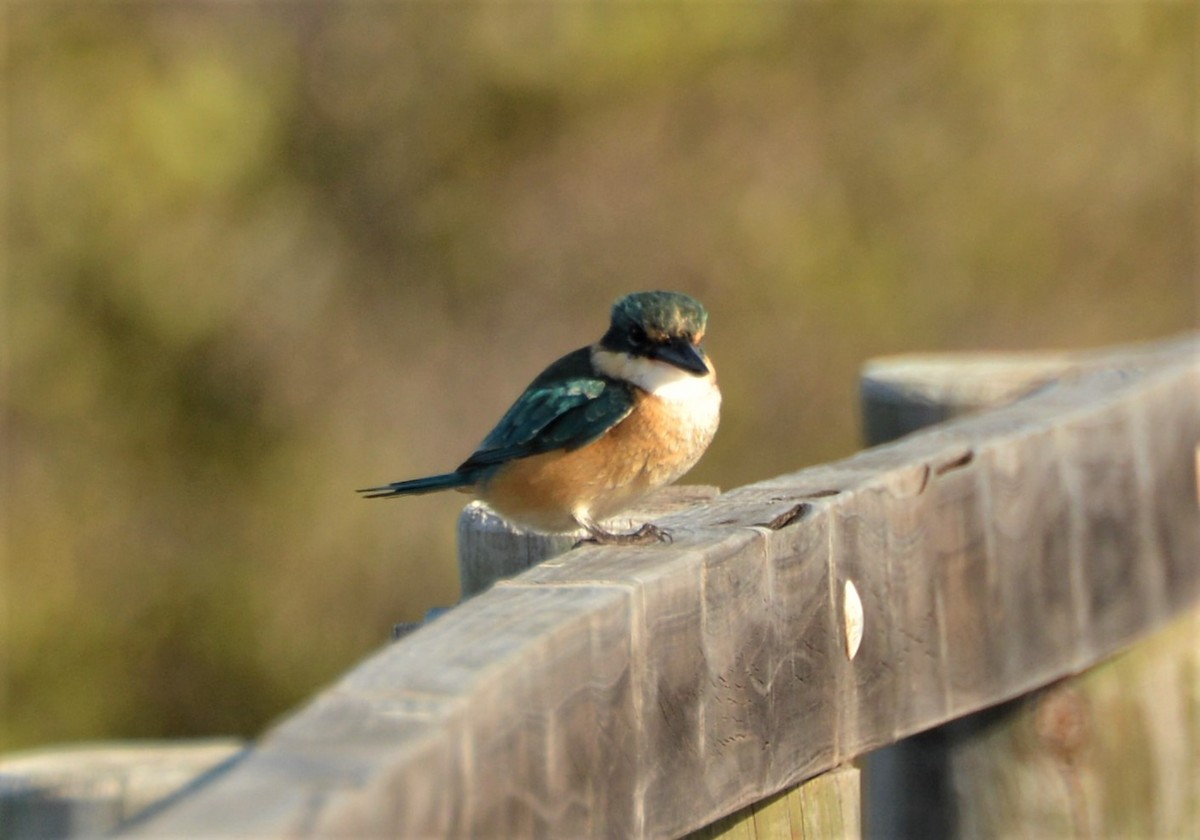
661	379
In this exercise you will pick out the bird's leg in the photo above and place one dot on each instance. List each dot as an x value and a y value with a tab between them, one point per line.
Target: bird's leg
646	535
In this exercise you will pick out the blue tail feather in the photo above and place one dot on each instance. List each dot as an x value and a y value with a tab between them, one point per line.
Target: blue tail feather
412	487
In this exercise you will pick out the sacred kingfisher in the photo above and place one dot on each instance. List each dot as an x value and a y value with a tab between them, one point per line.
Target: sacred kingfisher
600	428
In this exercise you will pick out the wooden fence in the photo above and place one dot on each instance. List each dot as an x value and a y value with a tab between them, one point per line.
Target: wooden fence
791	627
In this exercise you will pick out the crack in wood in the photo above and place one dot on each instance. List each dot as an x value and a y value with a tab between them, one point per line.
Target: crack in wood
788	517
955	463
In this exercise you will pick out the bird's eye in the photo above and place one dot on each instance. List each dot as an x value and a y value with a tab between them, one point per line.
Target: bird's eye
637	334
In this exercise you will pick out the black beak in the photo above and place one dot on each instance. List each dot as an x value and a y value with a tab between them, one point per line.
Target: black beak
683	354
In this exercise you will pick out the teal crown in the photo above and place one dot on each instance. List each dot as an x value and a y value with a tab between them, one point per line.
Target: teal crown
660	314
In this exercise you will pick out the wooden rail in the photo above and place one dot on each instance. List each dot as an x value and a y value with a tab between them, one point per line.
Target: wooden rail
645	692
790	626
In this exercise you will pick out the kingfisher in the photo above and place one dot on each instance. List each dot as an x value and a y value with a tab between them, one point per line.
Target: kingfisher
600	428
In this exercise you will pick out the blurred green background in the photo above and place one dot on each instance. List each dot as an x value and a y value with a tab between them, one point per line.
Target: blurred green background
260	255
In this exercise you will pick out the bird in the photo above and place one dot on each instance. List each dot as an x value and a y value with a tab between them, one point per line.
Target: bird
598	429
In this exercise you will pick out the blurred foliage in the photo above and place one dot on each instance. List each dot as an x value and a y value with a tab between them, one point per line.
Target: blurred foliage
258	256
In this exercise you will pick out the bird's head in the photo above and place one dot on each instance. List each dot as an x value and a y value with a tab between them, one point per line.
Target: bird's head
664	326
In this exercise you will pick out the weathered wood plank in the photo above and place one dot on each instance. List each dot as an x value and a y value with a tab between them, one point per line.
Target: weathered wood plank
647	691
1172	497
87	789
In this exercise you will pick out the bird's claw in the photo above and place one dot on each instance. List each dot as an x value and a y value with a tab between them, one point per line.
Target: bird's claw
648	534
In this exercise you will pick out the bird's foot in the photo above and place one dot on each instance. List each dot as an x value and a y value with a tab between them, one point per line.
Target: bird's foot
646	535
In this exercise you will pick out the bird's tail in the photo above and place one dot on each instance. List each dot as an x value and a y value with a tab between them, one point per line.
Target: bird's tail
412	487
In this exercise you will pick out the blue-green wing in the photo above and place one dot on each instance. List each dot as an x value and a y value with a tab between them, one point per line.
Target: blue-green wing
554	413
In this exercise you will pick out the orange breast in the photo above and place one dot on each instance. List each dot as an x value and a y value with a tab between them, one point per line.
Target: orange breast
646	450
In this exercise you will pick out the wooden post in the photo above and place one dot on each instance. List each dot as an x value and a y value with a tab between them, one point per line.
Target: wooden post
1090	756
824	808
491	549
